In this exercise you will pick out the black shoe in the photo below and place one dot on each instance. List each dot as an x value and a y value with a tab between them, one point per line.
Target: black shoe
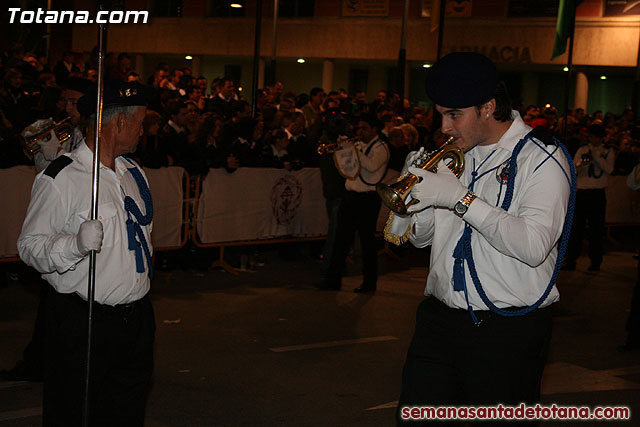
594	267
630	346
362	289
21	372
327	286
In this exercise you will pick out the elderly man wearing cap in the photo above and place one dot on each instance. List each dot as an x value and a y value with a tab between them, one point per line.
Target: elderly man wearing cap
56	238
594	162
483	333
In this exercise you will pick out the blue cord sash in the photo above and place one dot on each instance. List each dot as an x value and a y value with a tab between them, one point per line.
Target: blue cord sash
463	252
134	227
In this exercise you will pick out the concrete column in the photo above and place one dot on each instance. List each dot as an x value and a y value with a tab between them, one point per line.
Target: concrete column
530	86
140	66
196	65
327	75
407	81
261	67
582	91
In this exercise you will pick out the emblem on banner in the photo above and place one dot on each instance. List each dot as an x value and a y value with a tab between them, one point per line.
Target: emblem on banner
286	198
347	161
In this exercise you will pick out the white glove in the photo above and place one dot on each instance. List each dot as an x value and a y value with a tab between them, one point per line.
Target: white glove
89	237
436	189
411	157
49	146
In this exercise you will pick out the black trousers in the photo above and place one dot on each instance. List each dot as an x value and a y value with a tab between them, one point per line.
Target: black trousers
358	212
633	321
451	361
121	363
590	209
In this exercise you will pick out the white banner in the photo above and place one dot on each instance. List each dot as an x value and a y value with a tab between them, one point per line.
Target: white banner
15	187
260	203
167	192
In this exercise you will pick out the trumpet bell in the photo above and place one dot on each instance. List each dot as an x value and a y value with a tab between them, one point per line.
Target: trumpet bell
62	129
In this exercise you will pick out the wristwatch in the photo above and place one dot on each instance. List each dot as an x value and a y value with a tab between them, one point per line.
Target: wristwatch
462	206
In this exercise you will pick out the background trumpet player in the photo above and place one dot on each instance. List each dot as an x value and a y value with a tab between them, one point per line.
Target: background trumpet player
462	353
359	209
49	147
594	163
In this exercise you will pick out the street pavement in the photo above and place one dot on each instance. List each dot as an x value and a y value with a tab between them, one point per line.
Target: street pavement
265	348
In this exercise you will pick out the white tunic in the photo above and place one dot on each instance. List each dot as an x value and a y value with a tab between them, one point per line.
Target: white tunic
594	174
59	205
515	251
373	166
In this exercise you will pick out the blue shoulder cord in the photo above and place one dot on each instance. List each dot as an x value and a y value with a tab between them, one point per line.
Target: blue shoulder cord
463	250
133	227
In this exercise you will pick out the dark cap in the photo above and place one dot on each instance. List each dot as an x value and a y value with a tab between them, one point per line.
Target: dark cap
597	130
115	94
462	80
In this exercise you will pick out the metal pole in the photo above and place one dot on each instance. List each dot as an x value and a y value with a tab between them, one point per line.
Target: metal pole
635	96
256	59
271	74
48	35
102	40
567	89
402	55
443	5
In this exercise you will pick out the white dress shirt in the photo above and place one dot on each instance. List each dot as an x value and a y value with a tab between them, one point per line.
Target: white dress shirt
59	205
515	251
372	166
593	175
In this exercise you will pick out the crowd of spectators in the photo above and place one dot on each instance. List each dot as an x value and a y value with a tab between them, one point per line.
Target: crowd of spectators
198	124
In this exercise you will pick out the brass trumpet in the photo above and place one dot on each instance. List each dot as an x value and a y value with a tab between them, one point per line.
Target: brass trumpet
63	130
394	195
334	146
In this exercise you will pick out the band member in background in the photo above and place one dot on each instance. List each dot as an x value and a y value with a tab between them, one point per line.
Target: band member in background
359	210
50	148
463	353
594	163
56	238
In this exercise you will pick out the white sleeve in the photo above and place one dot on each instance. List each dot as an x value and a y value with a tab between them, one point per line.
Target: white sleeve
633	180
422	228
530	235
377	158
42	244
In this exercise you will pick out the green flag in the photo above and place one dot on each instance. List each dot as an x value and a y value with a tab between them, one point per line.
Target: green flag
564	26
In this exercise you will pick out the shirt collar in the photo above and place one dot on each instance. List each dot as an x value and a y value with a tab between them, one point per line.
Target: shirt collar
513	135
84	155
175	127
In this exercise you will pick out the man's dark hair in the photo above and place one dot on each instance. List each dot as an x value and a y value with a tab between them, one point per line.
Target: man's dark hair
372	121
174	107
503	103
315	91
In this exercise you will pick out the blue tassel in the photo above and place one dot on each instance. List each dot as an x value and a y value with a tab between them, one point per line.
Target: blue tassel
459	281
131	234
139	261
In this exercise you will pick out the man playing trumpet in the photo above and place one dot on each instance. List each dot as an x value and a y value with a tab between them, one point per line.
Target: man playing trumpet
48	146
494	245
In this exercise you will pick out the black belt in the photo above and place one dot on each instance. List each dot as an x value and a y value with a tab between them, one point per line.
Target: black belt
480	314
119	310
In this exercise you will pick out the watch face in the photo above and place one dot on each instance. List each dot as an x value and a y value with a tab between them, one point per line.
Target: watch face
460	208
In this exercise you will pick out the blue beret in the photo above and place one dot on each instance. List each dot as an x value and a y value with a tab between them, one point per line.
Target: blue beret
462	80
115	94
